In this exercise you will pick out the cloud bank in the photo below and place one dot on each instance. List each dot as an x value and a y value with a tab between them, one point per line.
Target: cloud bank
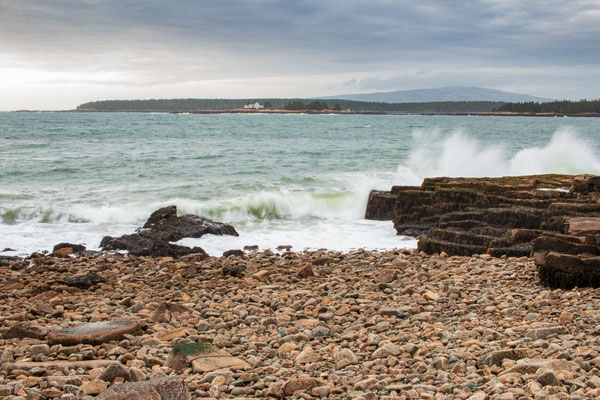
58	54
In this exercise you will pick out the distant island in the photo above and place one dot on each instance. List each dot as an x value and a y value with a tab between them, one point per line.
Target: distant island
582	108
286	105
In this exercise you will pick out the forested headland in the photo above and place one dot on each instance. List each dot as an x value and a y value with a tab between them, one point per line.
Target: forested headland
560	107
195	105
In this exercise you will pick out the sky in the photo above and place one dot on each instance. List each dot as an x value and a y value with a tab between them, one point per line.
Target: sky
58	54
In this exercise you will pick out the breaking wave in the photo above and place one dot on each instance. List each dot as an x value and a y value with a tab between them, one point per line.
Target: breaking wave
461	155
255	206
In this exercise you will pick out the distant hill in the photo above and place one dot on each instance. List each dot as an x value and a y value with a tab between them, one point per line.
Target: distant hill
443	94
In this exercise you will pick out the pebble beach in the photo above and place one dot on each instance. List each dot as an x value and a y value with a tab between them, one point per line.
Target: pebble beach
394	324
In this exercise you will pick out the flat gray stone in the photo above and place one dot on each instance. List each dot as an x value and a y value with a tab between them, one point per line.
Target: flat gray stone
94	332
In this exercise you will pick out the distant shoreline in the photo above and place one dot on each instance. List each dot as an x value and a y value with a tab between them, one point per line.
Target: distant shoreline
328	112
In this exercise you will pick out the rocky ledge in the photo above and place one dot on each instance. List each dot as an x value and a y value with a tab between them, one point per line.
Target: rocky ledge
163	227
504	217
363	325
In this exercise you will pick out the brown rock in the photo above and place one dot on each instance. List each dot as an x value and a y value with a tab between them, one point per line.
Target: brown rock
306	272
530	366
113	371
155	389
302	384
559	270
496	357
387	276
543	333
57	364
94	387
24	330
166	310
173	333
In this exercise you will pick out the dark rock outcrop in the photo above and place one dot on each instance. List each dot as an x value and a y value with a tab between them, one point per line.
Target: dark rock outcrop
498	216
163	227
572	259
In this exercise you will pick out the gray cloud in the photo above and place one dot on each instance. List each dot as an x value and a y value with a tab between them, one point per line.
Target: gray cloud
379	42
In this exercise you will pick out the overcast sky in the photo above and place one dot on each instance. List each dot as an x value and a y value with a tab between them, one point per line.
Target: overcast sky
56	54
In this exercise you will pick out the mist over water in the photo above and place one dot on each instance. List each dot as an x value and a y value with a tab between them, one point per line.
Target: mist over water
295	179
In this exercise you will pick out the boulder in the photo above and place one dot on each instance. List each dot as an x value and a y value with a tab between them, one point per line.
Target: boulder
496	357
74	248
555	218
560	270
532	365
163	227
94	332
202	357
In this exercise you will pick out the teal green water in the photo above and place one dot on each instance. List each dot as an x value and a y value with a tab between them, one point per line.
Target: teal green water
280	179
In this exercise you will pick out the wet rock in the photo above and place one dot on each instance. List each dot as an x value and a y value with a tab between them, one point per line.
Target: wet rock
68	248
163	227
84	281
141	245
95	332
571	259
233	270
165	224
497	216
234	252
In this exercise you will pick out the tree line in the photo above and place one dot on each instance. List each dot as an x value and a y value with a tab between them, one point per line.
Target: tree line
561	107
191	105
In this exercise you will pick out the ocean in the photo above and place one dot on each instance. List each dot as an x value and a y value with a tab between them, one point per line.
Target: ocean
299	180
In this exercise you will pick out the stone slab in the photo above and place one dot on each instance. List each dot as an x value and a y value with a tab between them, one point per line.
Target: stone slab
94	332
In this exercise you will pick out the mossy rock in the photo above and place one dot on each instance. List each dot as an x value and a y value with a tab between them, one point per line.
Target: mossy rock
183	354
194	349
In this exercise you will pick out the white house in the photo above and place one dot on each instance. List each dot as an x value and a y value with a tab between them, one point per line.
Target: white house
255	106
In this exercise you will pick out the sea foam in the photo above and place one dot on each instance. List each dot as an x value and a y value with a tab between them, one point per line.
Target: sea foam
462	155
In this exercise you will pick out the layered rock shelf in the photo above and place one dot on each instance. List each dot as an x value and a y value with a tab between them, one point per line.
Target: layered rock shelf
502	217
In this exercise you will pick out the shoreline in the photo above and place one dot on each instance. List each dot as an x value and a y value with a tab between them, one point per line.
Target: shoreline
330	112
396	324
